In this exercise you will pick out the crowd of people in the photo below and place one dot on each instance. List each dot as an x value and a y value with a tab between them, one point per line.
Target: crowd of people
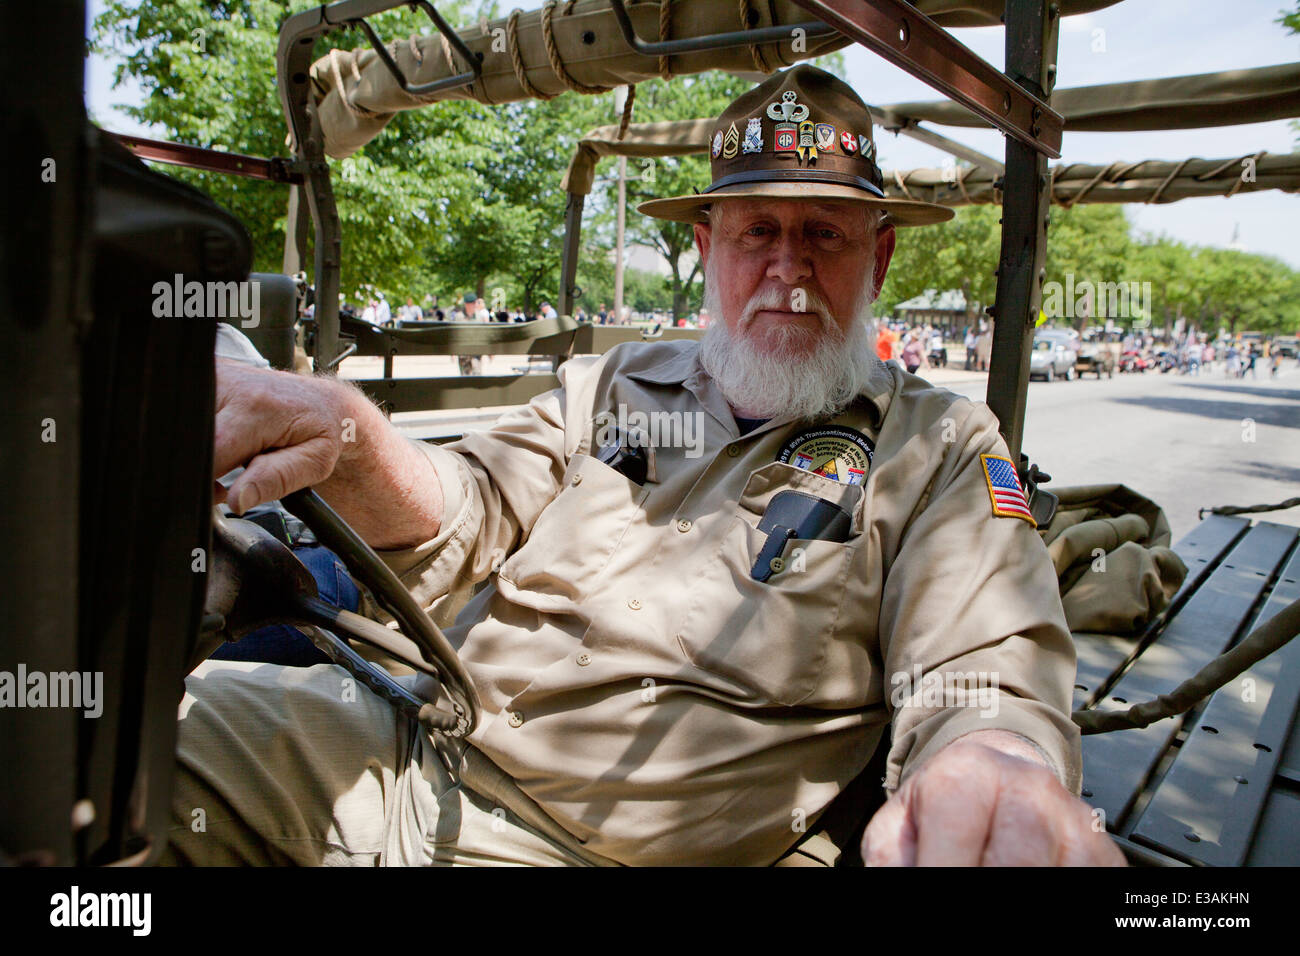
1192	353
914	347
464	308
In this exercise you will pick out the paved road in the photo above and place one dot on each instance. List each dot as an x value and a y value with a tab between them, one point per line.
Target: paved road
1186	442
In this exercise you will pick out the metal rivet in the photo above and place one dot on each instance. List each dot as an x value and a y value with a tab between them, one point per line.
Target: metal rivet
777	565
684	525
584	660
1193	837
634	604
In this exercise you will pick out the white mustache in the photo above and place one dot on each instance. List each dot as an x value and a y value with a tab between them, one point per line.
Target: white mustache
778	300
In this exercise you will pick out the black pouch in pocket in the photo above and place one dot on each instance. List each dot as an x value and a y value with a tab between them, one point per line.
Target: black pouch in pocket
793	514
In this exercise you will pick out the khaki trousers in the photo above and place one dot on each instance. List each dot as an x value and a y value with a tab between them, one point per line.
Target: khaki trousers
304	766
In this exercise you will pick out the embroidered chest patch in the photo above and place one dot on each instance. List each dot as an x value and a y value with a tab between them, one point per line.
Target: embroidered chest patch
832	451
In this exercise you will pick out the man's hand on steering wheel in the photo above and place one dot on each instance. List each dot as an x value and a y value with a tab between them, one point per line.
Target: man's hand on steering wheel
286	429
984	801
292	431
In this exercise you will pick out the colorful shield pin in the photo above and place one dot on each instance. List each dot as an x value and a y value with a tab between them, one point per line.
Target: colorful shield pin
786	138
866	147
731	143
753	136
826	137
717	143
807	143
848	142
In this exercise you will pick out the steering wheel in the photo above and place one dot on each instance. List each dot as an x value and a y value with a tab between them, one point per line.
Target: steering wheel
258	580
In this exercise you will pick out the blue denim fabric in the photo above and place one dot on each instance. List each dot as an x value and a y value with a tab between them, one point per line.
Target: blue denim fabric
281	644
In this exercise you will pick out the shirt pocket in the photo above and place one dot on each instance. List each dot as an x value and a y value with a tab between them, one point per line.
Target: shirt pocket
769	638
595	504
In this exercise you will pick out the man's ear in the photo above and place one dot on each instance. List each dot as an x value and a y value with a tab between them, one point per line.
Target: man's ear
885	237
703	237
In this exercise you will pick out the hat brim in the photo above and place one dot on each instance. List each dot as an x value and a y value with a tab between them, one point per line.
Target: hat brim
694	208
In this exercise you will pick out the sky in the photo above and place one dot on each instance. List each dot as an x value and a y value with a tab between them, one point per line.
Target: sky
1142	39
1139	39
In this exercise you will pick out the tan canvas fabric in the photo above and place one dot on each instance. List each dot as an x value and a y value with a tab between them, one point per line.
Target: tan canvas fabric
1122	181
1109	546
1227	98
356	95
660	704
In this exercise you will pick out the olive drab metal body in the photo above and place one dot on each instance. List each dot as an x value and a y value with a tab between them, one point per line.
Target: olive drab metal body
122	397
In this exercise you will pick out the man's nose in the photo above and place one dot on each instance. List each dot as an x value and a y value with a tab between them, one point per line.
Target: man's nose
790	260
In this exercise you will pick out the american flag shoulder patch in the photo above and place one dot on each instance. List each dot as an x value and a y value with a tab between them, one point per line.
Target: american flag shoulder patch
1004	489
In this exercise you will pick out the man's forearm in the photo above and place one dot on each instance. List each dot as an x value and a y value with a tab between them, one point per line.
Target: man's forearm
382	485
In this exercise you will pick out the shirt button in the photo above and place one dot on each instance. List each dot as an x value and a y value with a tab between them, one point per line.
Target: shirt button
733	451
634	604
516	719
683	526
577	479
584	660
777	565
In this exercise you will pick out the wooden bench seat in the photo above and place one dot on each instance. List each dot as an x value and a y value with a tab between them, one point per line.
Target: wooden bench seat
1220	785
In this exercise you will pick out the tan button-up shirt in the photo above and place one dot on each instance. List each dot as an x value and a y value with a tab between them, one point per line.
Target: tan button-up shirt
657	700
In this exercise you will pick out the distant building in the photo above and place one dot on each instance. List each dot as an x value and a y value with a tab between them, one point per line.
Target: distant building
942	310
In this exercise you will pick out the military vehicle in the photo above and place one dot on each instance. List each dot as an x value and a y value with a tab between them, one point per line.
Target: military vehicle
1183	769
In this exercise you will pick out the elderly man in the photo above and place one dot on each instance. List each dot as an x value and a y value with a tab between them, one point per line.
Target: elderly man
719	578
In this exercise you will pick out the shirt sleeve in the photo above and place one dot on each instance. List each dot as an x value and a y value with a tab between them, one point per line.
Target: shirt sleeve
973	635
494	484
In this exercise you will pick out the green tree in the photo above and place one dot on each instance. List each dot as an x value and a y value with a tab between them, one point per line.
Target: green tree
686	98
960	254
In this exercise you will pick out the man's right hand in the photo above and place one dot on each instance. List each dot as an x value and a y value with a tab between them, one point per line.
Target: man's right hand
290	431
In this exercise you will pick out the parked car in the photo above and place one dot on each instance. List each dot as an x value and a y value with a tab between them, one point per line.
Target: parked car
1287	345
1097	359
1052	358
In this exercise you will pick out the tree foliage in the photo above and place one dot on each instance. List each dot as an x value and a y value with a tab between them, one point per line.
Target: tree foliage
460	197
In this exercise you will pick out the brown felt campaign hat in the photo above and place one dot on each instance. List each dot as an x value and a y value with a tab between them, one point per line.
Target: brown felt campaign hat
801	134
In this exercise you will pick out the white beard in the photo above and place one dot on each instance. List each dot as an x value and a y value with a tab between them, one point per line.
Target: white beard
813	384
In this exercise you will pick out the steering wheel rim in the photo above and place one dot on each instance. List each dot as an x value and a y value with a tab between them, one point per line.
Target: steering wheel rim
389	593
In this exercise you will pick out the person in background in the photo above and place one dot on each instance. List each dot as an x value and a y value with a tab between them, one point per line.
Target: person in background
984	349
885	340
410	312
914	351
383	314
